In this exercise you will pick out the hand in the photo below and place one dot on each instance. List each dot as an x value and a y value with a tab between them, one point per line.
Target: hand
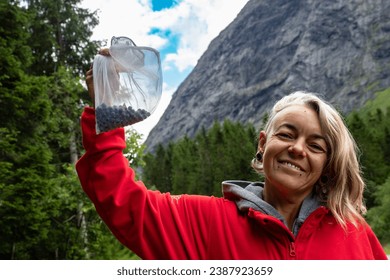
104	51
89	77
89	82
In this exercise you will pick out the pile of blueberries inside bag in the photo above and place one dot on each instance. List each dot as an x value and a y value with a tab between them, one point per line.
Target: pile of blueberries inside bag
127	84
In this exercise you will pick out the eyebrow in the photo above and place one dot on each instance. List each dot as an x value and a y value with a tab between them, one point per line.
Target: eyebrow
295	129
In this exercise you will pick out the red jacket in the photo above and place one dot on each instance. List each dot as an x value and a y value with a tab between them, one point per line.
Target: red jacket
158	225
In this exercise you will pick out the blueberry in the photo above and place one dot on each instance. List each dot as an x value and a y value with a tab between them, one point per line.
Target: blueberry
110	117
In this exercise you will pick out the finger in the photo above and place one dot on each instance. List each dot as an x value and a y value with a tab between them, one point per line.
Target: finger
89	78
104	51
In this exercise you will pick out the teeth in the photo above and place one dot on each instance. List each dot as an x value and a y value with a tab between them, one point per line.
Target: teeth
291	165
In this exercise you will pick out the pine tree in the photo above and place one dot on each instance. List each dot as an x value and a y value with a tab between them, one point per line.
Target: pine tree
184	167
25	156
60	36
157	171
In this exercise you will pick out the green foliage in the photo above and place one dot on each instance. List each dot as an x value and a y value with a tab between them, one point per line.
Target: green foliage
64	135
380	101
199	165
379	216
14	53
44	212
25	157
77	232
134	148
370	128
158	169
60	36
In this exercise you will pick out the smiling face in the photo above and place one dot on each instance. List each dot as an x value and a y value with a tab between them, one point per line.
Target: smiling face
295	154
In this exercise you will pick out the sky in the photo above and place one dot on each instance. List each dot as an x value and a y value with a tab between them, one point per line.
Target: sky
180	30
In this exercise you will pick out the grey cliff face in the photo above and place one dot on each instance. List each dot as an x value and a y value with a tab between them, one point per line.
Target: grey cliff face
339	49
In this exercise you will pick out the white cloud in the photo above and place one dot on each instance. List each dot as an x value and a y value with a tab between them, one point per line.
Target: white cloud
195	22
129	18
184	57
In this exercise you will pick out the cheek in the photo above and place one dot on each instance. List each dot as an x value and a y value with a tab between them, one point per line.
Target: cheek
319	163
269	155
271	146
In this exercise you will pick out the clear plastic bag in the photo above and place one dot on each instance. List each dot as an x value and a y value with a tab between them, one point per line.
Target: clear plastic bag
127	84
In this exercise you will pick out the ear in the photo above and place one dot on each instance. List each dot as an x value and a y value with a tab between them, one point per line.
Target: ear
262	141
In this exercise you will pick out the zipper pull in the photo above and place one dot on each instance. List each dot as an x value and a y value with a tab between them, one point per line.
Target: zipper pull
292	249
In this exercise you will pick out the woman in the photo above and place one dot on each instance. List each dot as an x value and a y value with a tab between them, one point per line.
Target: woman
310	205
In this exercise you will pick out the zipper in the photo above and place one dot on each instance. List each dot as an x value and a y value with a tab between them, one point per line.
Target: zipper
319	211
292	249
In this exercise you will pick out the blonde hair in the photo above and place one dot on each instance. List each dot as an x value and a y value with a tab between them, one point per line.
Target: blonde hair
345	186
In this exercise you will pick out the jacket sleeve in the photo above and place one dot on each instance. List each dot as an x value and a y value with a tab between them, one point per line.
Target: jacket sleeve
152	224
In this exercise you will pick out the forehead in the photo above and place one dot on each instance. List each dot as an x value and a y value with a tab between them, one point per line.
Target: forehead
300	117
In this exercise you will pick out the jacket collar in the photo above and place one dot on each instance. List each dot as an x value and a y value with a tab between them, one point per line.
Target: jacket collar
249	195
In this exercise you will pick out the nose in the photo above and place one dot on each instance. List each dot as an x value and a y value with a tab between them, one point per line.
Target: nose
298	148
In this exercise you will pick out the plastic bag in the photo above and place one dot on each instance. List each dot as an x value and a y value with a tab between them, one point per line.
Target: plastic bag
127	84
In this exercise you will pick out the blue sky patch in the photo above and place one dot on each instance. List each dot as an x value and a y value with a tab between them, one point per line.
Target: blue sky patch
158	5
173	41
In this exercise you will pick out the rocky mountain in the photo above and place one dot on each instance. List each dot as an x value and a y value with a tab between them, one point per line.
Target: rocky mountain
338	48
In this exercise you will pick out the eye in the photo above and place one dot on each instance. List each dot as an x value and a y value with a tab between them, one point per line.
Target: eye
284	135
317	147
